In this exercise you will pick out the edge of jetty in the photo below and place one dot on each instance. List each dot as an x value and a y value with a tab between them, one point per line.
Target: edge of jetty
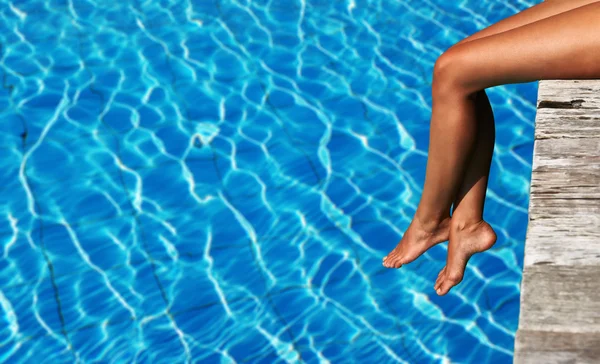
559	320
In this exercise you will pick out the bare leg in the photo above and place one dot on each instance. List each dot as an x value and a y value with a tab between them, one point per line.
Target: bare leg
534	13
426	232
468	230
563	46
471	193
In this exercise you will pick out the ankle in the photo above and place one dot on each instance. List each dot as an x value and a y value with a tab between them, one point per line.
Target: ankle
460	223
431	224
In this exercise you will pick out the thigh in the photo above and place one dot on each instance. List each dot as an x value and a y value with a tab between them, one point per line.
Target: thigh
537	12
563	46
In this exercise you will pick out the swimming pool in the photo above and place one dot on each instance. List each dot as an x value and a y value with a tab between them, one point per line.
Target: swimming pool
201	181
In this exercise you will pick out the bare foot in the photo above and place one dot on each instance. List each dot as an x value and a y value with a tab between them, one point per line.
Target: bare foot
416	240
465	241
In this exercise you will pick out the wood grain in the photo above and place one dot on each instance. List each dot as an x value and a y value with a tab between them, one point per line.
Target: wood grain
535	347
559	320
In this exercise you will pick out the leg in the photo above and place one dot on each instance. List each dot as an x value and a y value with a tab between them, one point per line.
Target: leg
562	46
421	235
468	205
474	186
537	12
482	108
469	201
467	228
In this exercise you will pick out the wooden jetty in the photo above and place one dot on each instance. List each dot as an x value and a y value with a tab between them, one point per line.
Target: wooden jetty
559	320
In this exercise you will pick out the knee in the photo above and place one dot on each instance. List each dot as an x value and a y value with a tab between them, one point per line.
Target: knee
450	74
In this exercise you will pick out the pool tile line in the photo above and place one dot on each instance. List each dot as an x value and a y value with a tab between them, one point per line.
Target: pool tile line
138	223
37	207
10	88
219	174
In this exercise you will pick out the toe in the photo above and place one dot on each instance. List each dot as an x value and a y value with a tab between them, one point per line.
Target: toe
451	279
437	282
397	259
387	259
398	263
439	278
443	288
390	257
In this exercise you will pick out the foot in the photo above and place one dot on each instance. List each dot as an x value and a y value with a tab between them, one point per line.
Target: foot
416	240
465	240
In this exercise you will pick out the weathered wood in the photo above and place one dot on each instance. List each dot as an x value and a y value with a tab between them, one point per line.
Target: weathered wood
561	112
569	91
551	123
559	320
569	241
535	347
560	298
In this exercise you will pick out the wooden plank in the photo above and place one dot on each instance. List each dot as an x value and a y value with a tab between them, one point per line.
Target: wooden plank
578	180
568	94
568	109
535	347
566	234
560	298
553	123
559	320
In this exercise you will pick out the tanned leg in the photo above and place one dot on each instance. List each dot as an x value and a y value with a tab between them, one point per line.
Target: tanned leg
563	46
424	232
467	212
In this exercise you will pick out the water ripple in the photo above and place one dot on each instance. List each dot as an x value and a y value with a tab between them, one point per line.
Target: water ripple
217	181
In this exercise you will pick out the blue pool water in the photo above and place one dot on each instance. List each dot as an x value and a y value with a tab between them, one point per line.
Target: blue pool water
218	181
